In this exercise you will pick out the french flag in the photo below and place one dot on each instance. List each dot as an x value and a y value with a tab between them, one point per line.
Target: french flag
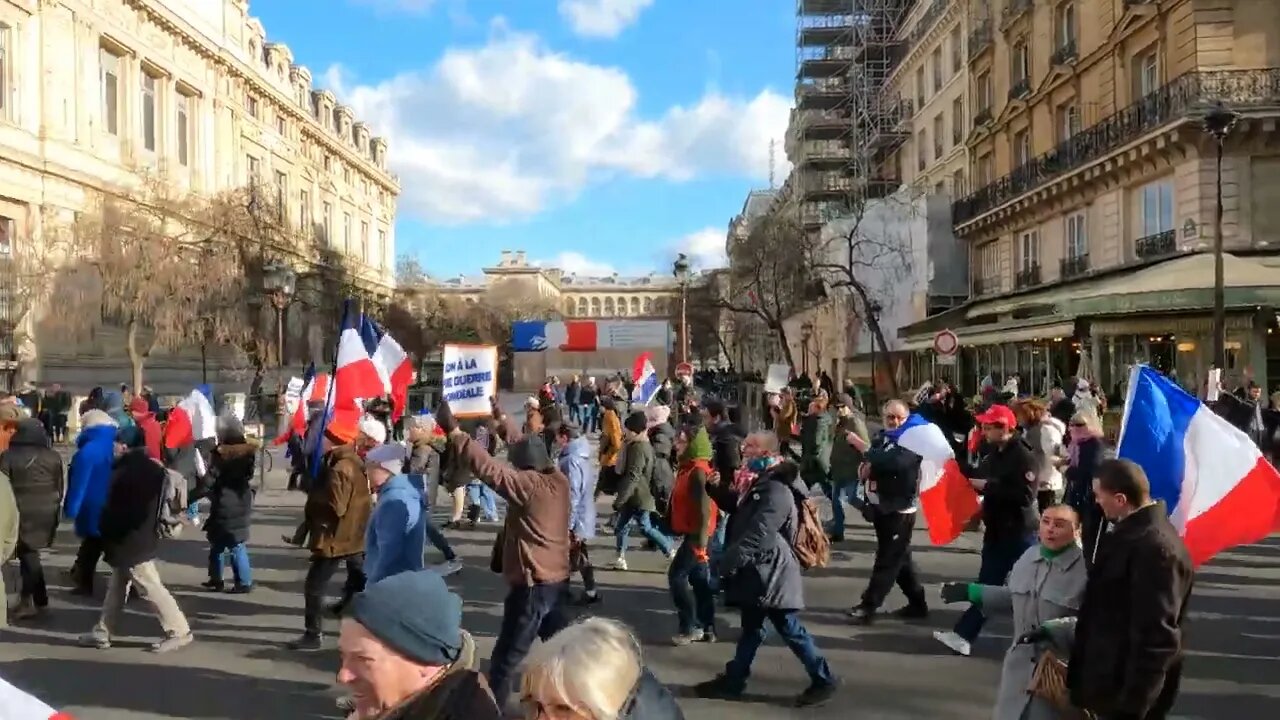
948	500
646	379
392	363
355	375
18	705
1219	490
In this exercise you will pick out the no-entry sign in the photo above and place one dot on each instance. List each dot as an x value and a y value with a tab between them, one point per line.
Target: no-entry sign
946	343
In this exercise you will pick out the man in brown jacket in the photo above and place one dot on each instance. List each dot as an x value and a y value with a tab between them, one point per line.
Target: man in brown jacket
337	512
534	553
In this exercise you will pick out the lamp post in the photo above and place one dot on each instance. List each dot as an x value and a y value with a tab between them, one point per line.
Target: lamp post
806	332
278	282
680	269
1219	122
873	311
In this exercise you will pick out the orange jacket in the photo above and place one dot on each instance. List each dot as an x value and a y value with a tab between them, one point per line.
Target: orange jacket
693	512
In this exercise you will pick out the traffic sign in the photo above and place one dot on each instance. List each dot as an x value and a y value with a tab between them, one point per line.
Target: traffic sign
684	369
946	343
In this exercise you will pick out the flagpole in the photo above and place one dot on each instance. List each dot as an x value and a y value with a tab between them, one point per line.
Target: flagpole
328	391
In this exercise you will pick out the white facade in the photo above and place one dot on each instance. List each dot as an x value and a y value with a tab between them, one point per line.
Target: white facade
94	91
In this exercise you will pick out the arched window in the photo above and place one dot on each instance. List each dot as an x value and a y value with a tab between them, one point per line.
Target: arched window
582	306
622	306
660	306
635	305
595	306
648	305
568	306
608	306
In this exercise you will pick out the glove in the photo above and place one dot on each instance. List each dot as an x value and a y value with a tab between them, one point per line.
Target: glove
444	417
1033	636
955	592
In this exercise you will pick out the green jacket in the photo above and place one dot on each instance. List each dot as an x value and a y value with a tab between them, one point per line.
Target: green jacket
633	487
845	458
815	446
8	537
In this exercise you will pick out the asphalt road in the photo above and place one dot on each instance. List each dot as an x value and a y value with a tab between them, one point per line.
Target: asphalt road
239	670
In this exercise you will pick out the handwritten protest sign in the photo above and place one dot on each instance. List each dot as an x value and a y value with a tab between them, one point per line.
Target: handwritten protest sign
470	378
777	378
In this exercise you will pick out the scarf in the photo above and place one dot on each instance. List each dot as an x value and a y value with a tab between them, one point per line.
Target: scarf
1079	435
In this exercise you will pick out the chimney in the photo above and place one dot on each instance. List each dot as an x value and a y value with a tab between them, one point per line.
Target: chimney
520	262
504	259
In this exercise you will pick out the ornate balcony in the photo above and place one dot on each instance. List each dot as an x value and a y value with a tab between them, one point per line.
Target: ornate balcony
1020	89
1066	54
1028	276
980	39
1013	9
1186	97
1075	266
1156	246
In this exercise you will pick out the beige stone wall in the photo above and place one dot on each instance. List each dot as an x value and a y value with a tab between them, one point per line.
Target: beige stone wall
532	369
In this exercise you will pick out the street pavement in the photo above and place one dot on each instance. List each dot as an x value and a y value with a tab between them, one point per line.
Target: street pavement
239	670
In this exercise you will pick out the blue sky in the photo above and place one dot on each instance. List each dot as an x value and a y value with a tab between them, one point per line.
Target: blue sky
598	135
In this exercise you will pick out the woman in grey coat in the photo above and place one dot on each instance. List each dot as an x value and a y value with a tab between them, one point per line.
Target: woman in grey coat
1043	593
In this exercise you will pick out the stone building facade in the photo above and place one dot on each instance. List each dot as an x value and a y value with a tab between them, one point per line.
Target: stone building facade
93	92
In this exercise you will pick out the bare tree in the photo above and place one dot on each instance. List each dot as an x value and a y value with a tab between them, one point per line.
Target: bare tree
146	261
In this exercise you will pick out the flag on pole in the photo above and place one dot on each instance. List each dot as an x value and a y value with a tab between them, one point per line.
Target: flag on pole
646	380
391	362
947	499
354	374
1219	490
18	705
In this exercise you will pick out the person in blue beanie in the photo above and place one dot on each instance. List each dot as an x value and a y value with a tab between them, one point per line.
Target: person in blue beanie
405	655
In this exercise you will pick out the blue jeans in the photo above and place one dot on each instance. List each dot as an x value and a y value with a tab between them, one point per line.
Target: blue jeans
193	509
528	613
717	548
626	517
690	581
998	558
787	623
480	495
239	555
835	493
590	418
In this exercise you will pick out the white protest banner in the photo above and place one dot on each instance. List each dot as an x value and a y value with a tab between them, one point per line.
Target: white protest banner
469	378
292	395
777	378
1214	387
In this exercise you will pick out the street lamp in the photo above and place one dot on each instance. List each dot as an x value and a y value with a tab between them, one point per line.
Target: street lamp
806	332
680	269
279	282
1219	122
873	313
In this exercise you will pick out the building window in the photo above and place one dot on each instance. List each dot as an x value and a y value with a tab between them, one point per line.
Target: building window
1020	57
1146	74
328	163
326	222
936	59
1077	237
958	188
148	111
182	128
1066	22
635	306
1029	251
304	211
346	174
282	195
922	151
5	69
253	168
608	307
939	135
364	241
109	80
986	170
1157	208
346	233
251	104
382	248
595	307
1068	121
989	266
1021	148
282	124
957	50
648	305
582	306
986	92
7	226
920	96
957	121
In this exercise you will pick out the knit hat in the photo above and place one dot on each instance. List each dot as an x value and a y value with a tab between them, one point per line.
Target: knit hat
375	430
636	422
388	456
414	614
657	414
91	418
699	447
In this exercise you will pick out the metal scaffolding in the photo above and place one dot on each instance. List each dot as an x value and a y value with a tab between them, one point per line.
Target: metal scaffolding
846	127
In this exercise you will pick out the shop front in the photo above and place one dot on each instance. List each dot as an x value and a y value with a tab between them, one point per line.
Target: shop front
1040	354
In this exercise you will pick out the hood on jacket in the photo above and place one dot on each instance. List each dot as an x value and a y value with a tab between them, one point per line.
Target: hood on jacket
231	451
96	434
657	415
699	447
30	433
577	447
96	418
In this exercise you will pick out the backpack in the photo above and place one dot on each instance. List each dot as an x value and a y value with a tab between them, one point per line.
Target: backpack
809	542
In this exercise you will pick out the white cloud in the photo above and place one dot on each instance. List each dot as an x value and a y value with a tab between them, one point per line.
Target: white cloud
502	131
574	263
601	18
705	248
408	6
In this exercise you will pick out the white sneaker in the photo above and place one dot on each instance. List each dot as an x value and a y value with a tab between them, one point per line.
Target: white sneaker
449	567
958	645
619	563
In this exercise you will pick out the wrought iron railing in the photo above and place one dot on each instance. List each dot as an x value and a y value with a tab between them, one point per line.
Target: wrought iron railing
981	38
927	21
1013	9
1066	53
1187	96
1073	266
1156	246
1028	276
1020	89
983	117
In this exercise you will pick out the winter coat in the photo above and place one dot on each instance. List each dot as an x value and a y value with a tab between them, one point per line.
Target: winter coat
1127	657
424	463
575	463
651	700
845	458
89	477
815	447
633	487
462	694
1078	492
896	473
1008	500
1041	592
758	564
231	494
1045	440
397	532
693	512
35	472
8	539
726	449
338	508
610	438
662	438
131	516
784	420
151	434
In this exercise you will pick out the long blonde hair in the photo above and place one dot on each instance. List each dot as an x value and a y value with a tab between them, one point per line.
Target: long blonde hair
591	666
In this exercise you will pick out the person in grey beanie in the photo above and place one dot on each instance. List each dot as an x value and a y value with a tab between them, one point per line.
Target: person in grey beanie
405	655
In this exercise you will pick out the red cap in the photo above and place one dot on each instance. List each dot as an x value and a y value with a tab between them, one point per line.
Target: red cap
998	415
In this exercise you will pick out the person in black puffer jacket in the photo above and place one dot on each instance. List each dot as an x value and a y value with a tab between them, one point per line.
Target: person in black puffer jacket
230	507
35	471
